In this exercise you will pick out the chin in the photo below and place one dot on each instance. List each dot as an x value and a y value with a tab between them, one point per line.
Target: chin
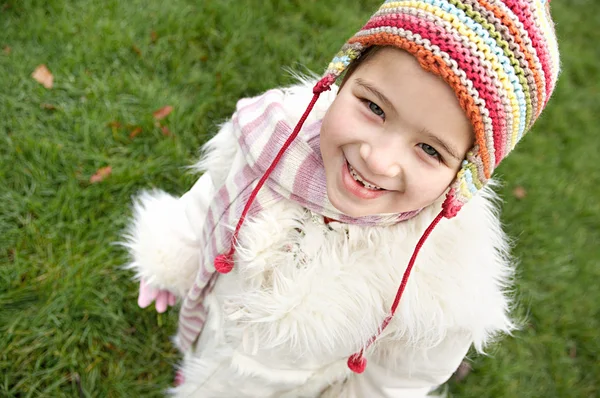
352	213
347	209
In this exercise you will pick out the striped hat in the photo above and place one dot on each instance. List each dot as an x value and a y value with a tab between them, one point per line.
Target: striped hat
499	56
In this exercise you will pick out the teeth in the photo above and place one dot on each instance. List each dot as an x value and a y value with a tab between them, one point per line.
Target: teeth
358	178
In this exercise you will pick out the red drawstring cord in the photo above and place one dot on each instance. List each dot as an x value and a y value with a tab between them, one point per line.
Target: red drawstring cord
357	363
224	262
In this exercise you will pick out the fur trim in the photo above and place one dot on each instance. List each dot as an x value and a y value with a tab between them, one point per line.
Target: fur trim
163	247
311	291
216	155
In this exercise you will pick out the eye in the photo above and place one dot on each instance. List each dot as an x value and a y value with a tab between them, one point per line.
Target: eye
431	151
376	109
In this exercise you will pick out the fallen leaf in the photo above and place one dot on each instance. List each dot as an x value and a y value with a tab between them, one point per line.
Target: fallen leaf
101	174
115	124
48	107
462	372
136	50
153	36
7	50
6	6
162	112
165	130
135	132
573	352
519	192
112	347
42	75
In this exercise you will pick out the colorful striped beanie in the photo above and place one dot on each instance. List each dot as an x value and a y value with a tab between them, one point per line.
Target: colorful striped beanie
499	56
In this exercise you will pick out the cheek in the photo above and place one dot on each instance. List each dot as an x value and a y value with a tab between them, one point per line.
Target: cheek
432	184
329	139
338	122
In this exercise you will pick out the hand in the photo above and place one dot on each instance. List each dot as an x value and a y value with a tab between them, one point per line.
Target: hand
148	294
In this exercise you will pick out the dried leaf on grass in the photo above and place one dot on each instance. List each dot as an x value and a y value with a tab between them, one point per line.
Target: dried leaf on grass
137	130
165	130
48	107
162	112
115	124
519	192
101	174
7	50
42	75
153	36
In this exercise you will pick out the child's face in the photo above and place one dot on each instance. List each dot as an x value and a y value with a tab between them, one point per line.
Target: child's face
398	129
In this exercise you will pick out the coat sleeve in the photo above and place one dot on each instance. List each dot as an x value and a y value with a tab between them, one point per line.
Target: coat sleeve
400	372
163	238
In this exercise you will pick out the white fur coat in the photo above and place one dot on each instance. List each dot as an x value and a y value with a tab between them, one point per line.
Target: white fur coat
305	295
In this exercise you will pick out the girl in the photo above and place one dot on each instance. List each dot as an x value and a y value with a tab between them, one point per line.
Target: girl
317	214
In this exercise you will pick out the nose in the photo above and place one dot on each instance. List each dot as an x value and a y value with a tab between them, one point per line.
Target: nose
381	162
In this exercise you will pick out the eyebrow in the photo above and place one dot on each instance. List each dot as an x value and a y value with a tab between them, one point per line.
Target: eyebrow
375	92
437	140
445	146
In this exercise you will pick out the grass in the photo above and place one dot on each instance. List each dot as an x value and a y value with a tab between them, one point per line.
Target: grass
69	323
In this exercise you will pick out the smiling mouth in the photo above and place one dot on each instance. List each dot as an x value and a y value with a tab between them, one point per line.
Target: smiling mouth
358	178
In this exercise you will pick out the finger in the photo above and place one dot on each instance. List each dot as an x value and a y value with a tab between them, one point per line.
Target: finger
147	295
179	378
172	299
161	302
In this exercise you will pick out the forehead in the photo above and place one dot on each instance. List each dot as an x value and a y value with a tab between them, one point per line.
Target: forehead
399	69
422	99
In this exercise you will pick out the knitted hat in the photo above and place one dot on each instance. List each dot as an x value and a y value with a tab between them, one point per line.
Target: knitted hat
499	56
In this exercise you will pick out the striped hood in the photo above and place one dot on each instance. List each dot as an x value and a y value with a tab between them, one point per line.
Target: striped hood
500	58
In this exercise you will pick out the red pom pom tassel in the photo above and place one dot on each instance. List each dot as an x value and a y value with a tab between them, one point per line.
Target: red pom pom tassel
223	263
357	363
323	85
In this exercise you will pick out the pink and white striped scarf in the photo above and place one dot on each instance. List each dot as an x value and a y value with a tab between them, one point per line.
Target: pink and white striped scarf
261	126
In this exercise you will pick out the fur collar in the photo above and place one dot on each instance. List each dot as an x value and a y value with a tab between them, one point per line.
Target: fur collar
459	283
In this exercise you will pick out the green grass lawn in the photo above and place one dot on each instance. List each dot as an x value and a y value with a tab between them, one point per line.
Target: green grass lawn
69	323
